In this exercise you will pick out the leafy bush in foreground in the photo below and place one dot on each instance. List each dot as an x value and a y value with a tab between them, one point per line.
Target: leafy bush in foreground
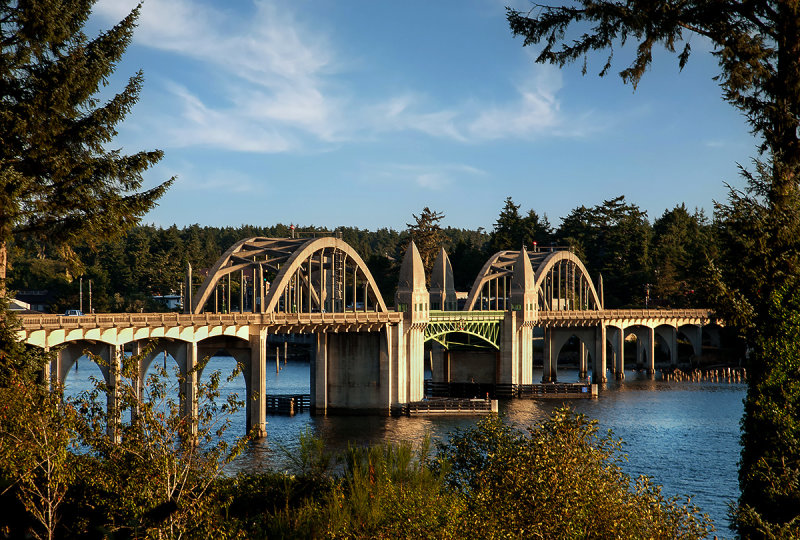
559	479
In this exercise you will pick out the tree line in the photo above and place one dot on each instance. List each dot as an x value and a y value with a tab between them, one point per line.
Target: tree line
658	264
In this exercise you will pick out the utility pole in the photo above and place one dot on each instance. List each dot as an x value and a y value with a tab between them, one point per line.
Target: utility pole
80	296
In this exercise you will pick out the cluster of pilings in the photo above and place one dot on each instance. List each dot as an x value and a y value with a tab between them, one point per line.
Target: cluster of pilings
727	374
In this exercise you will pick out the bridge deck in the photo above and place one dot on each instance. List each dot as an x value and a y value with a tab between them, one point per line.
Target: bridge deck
111	320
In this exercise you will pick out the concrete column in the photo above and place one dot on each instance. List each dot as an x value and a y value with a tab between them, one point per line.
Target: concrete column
673	353
187	360
256	408
639	350
599	368
651	351
388	359
112	354
416	364
621	354
319	375
507	372
548	360
525	348
583	360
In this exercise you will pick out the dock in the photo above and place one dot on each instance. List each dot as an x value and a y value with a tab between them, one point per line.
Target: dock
510	391
445	406
287	404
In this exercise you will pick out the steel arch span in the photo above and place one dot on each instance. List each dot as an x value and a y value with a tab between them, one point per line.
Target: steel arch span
561	282
290	275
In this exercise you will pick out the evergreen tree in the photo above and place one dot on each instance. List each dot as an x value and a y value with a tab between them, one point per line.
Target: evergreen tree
507	233
613	239
681	245
757	45
535	229
58	179
428	236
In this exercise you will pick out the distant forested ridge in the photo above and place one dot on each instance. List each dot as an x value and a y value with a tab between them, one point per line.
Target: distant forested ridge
659	263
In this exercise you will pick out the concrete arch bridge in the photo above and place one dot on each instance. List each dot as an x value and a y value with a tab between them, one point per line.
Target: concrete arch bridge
366	356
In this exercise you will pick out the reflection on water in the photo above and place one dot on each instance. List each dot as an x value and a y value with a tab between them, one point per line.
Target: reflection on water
683	434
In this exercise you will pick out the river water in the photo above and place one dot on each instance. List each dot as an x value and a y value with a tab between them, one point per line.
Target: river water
685	435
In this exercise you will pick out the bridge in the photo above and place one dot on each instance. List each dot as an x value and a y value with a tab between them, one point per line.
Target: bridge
366	356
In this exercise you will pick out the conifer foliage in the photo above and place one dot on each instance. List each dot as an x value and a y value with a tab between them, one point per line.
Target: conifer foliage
58	177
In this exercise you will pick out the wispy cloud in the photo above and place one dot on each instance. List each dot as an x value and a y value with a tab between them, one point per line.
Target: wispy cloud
274	86
222	180
269	71
434	177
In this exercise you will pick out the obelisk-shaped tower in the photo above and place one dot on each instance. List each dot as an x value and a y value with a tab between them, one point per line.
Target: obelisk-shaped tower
516	349
443	290
413	300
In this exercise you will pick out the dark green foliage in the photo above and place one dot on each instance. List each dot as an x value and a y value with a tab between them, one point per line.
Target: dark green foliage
682	245
427	235
769	505
19	363
507	229
612	239
58	180
512	230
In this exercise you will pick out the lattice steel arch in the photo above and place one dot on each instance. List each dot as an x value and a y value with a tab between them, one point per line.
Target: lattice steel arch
308	275
561	280
485	327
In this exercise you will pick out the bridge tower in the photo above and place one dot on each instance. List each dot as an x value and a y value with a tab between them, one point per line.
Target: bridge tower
413	300
443	289
516	346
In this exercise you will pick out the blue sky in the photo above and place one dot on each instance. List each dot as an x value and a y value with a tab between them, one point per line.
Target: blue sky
361	113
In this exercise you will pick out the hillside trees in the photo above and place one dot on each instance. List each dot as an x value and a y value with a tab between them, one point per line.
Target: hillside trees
59	181
613	239
512	230
682	244
757	46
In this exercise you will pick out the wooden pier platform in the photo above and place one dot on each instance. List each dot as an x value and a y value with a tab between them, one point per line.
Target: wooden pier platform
510	391
290	404
445	406
557	391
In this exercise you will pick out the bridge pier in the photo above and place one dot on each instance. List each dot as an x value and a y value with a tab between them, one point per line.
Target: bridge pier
352	371
599	368
186	355
583	360
549	358
515	364
319	374
617	338
256	398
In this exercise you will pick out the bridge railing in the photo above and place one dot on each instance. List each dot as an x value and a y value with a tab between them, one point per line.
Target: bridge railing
444	316
179	319
607	314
